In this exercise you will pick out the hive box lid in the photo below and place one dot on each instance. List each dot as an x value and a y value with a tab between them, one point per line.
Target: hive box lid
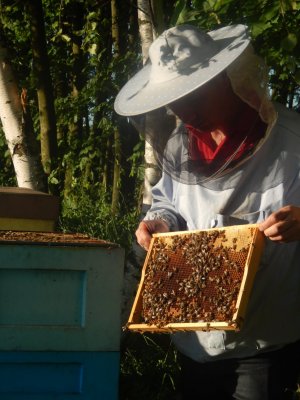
16	202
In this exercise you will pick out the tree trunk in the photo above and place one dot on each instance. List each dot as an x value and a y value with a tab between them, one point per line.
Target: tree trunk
41	70
146	36
116	172
145	26
150	17
74	133
117	145
74	20
15	120
75	127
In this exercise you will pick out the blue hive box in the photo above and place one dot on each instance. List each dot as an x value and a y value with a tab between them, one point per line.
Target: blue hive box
60	329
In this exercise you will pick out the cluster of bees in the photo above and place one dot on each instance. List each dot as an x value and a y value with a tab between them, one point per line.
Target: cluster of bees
192	278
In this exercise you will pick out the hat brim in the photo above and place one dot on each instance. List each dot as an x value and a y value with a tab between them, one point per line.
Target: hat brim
140	96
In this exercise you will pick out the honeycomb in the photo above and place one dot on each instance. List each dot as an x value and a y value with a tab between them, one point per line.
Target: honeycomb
197	280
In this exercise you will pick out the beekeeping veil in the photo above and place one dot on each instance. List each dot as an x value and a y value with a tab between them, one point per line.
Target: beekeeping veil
183	59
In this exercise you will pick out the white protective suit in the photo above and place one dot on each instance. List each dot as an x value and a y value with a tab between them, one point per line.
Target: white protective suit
248	193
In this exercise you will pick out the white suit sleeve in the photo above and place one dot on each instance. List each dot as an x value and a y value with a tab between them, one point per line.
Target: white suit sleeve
163	204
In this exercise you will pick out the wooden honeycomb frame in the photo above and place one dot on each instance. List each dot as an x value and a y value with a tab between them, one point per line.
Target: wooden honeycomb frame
197	280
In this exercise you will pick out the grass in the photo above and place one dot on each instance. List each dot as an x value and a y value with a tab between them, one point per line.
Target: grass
149	368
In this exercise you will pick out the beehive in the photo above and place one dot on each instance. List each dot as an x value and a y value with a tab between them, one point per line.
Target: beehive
23	209
59	316
197	280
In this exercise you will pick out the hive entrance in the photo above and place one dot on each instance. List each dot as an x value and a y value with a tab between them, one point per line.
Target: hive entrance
196	280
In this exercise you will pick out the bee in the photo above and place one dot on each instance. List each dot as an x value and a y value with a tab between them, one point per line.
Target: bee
169	274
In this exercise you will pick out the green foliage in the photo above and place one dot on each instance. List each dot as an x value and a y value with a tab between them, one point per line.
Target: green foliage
7	175
183	14
274	26
89	212
149	368
16	28
137	166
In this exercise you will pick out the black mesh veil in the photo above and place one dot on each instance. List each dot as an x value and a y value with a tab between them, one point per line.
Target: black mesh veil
172	144
172	148
156	127
169	141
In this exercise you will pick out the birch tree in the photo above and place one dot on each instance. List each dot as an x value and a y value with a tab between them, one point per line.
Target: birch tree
147	34
21	143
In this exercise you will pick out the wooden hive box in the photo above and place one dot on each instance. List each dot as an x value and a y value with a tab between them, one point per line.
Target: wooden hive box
23	209
60	316
197	280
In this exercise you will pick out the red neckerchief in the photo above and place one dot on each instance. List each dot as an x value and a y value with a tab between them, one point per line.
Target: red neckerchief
203	147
